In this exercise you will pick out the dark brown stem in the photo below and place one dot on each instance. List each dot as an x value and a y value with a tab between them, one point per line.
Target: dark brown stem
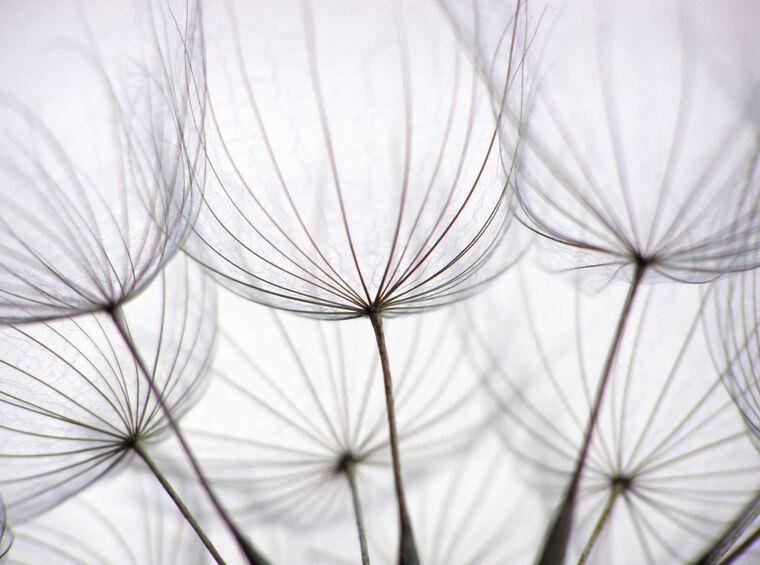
350	472
407	551
178	502
250	552
558	535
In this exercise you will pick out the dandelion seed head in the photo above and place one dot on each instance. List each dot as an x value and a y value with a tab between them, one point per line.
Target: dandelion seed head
73	400
475	509
355	161
637	146
670	454
296	405
137	525
101	168
732	322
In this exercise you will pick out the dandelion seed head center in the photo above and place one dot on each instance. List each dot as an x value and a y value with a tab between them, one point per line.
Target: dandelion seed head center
621	482
374	308
346	460
130	441
644	260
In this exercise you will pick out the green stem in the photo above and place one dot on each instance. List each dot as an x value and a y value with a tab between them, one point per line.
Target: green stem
407	551
739	550
178	502
716	552
600	523
558	535
350	471
250	552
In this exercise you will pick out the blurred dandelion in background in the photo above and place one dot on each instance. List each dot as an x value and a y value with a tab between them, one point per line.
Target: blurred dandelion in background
102	165
734	326
670	464
140	526
462	513
566	195
304	439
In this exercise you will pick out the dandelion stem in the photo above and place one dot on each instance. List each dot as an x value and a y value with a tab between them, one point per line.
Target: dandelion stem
138	448
615	491
558	534
739	550
407	551
350	472
716	552
250	552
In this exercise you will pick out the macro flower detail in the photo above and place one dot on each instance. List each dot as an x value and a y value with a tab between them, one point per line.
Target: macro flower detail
360	176
303	439
332	195
635	162
489	277
466	512
734	326
74	404
670	464
98	195
633	153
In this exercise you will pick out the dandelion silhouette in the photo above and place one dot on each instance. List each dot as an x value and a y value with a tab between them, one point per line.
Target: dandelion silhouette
303	436
344	160
139	526
333	209
93	209
635	160
356	167
635	155
95	205
74	404
671	463
733	324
